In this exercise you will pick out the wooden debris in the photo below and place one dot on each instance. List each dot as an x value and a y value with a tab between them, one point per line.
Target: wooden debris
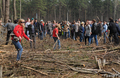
116	71
35	70
0	71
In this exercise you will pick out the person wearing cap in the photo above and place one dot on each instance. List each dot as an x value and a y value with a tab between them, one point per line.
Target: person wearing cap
56	37
81	31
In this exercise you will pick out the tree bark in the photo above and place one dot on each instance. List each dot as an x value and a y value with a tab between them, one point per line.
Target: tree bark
6	10
20	9
3	10
14	9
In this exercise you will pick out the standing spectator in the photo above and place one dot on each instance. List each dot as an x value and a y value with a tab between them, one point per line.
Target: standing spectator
68	29
105	28
56	37
41	30
19	33
26	27
10	27
54	23
36	24
87	32
32	32
117	26
73	30
76	30
49	28
113	31
94	32
65	30
45	29
100	28
81	31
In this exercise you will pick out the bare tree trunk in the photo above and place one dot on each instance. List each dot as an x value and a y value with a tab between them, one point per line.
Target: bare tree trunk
6	11
14	9
115	7
3	10
20	9
59	12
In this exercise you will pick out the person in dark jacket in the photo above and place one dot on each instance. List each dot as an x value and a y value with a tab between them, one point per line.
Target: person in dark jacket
32	33
117	26
41	30
81	31
36	24
94	32
113	31
100	28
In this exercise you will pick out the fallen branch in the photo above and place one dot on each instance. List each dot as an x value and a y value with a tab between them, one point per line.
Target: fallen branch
35	70
115	71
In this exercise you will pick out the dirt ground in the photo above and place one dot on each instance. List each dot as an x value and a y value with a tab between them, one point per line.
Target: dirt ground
55	63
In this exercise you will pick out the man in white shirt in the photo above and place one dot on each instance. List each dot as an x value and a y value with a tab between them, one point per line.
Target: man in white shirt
26	27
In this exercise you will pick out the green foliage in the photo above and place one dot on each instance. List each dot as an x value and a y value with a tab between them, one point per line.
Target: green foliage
47	8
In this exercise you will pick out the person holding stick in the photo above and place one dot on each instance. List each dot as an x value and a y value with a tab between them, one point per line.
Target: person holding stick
56	37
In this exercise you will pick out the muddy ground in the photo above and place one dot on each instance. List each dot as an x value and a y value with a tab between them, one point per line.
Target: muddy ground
55	63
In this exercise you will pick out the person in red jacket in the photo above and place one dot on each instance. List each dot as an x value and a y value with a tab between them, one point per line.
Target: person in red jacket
19	33
56	37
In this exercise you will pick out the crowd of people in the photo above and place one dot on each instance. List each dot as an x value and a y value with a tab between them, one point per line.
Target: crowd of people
61	30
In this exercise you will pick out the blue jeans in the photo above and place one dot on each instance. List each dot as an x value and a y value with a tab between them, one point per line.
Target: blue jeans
19	48
65	35
81	37
68	33
105	35
41	35
56	39
96	41
73	35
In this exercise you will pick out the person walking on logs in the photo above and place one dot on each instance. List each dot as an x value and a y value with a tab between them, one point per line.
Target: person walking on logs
16	39
56	37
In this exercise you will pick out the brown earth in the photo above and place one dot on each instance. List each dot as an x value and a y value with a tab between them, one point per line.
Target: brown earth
55	63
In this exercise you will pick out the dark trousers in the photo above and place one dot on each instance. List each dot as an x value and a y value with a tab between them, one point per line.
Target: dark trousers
8	37
32	44
86	37
76	35
115	38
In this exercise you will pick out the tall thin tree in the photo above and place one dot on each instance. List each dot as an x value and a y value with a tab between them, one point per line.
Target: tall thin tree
15	17
7	10
3	10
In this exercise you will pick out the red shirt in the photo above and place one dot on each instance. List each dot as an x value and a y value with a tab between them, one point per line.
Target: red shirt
54	32
19	31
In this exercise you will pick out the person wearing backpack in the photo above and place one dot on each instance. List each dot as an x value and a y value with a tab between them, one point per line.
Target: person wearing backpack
94	32
17	38
87	31
10	26
81	31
